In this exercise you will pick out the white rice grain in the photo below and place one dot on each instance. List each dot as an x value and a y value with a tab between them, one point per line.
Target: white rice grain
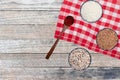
91	11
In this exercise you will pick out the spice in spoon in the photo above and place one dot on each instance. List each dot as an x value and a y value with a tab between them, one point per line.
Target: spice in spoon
68	21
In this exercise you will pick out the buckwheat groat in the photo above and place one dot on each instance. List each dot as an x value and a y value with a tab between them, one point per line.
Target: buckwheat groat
107	39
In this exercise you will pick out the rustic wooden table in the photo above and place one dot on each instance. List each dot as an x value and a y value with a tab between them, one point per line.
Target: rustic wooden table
26	35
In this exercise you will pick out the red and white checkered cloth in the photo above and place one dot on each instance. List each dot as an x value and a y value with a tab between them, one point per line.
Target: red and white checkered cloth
84	33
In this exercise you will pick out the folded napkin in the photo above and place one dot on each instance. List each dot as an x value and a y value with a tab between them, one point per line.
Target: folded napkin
84	33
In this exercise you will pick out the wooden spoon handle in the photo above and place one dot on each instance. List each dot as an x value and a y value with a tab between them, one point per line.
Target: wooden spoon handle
52	49
56	42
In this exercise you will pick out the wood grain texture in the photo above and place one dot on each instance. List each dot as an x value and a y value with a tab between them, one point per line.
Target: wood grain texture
28	17
57	60
27	32
34	46
31	39
30	4
60	74
26	35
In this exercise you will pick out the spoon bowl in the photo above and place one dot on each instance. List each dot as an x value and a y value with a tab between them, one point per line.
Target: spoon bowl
69	20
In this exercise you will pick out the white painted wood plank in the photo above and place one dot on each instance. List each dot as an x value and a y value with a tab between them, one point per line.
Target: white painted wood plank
30	45
59	74
56	61
34	46
30	39
34	31
30	4
28	17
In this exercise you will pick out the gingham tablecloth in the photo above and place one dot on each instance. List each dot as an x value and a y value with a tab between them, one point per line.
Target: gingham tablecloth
84	33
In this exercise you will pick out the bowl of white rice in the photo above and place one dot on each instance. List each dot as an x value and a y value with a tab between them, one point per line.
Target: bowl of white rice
91	11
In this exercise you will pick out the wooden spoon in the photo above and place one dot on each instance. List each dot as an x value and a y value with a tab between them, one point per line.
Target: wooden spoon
69	20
